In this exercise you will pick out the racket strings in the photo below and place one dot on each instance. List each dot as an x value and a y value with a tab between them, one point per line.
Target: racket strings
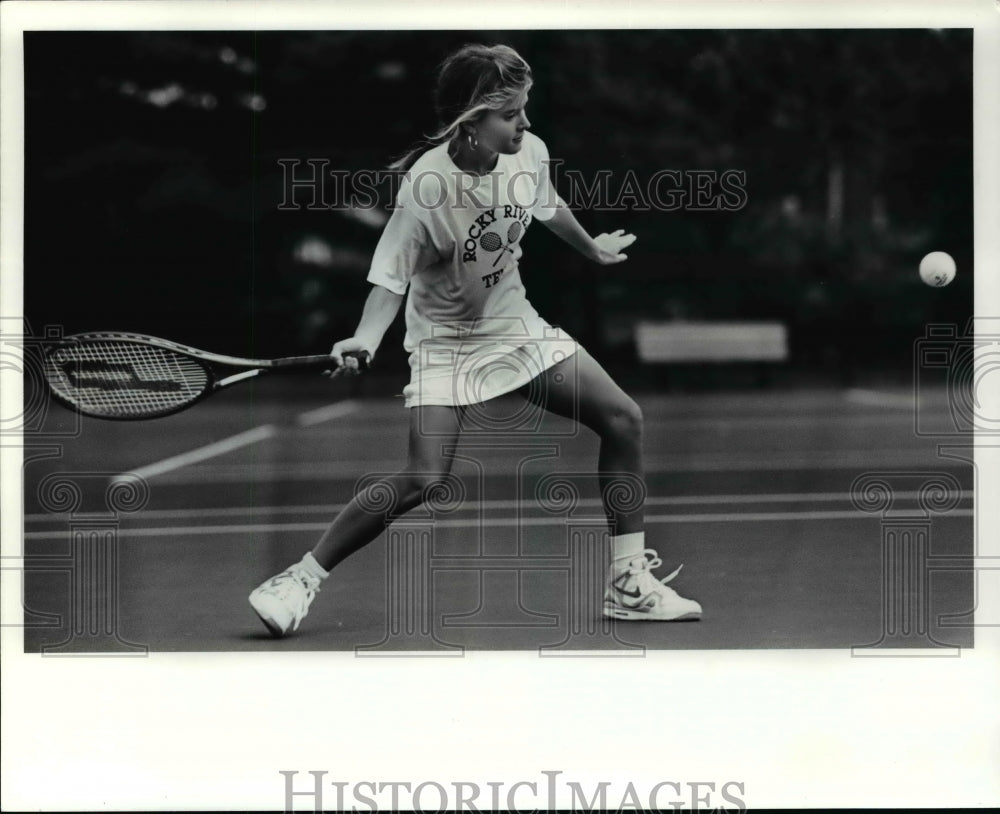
490	241
118	378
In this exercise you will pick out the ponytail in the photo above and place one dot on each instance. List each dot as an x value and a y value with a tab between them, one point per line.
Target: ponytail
474	79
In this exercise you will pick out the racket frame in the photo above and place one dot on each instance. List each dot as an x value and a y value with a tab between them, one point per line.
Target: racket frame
215	382
513	233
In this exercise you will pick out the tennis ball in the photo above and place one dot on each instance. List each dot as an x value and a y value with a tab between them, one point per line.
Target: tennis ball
937	269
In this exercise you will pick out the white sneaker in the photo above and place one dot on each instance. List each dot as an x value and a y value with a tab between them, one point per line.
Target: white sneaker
636	594
283	601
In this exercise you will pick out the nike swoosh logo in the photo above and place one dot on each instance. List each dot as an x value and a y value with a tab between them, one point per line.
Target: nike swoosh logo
635	593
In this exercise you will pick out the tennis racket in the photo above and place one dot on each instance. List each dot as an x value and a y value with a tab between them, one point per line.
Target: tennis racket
492	242
124	376
513	233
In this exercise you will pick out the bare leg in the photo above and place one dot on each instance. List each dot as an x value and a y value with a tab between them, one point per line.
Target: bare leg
431	428
579	387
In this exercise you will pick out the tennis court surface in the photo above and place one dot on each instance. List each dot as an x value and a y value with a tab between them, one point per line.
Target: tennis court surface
763	496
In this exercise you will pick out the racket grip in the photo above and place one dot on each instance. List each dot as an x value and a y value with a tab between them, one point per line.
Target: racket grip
363	357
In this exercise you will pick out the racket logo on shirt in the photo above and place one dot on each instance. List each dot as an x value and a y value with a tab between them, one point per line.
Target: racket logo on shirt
487	233
492	242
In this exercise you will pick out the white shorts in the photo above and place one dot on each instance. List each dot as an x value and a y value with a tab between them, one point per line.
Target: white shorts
458	372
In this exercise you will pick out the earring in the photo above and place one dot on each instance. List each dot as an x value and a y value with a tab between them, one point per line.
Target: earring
473	141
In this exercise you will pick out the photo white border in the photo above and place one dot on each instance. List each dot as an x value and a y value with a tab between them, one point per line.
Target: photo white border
204	731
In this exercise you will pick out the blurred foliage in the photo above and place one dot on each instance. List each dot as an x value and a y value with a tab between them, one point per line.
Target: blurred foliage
153	184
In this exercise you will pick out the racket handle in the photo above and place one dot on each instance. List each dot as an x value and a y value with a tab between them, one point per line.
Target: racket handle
363	357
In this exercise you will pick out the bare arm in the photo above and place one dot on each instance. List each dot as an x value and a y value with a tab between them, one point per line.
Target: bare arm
380	310
604	249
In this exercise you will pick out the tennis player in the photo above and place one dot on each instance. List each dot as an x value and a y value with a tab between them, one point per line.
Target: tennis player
451	250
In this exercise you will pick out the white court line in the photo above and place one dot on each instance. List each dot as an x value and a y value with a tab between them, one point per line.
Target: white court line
529	503
234	442
794	422
876	398
344	468
327	413
270	528
201	453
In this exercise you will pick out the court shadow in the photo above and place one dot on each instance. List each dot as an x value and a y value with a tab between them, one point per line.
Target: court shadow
258	636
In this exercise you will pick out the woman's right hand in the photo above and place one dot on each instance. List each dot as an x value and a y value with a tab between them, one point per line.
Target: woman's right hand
348	365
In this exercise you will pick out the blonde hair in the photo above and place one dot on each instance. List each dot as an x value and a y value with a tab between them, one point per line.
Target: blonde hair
474	79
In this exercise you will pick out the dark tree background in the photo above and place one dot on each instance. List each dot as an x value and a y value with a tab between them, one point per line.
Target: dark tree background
153	184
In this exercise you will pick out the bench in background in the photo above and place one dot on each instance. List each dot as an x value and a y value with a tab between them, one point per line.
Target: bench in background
726	344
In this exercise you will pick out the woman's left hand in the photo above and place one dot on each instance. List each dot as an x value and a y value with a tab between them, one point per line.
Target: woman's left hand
609	247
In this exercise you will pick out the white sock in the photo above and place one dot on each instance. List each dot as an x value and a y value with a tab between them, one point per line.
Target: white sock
625	548
313	567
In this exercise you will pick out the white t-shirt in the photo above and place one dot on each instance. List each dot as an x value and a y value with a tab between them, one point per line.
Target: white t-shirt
454	242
